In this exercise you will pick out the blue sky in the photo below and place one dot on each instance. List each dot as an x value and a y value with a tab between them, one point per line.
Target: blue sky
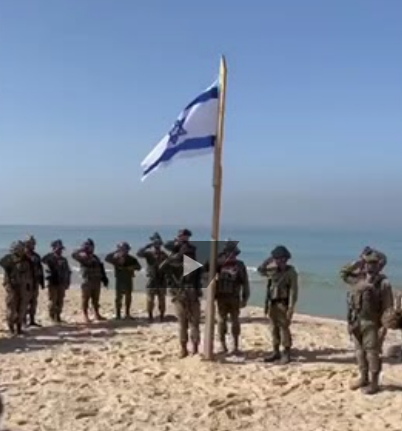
314	110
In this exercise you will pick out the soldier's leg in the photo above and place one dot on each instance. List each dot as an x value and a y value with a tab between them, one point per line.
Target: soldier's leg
21	299
234	312
61	294
150	303
222	323
361	360
194	316
162	302
285	334
95	298
85	297
34	306
118	300
128	298
52	297
182	318
371	345
11	307
275	334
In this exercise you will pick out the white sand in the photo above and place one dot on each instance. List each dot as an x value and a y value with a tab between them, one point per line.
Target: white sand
120	378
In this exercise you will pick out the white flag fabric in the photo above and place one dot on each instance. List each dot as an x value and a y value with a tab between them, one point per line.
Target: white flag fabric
193	133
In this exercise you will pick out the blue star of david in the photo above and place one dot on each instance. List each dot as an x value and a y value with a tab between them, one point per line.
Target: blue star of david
177	131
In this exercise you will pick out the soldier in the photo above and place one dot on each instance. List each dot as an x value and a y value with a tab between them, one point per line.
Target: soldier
357	270
282	295
156	286
38	280
58	279
93	276
125	267
17	279
185	290
232	292
369	300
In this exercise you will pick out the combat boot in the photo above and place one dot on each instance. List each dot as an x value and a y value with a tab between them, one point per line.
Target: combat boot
86	317
33	322
118	315
162	317
98	316
360	382
274	356
19	329
183	351
285	357
373	387
235	350
195	349
150	317
58	318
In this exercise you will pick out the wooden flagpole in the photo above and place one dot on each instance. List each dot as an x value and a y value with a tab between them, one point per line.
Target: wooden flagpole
216	215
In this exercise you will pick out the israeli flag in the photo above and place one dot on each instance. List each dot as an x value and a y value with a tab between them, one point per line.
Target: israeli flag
193	133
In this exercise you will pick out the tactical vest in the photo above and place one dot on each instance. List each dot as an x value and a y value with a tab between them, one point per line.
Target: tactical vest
58	272
20	273
92	270
365	302
279	285
230	281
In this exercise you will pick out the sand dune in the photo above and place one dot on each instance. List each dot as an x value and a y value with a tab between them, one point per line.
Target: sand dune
126	376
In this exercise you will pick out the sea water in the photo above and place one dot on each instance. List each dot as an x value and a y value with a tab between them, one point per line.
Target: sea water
317	254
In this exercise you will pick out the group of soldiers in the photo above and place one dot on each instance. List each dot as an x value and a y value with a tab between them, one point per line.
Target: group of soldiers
371	309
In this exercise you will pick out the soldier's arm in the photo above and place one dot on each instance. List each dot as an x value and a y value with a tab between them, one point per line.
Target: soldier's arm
143	252
262	269
134	264
349	274
110	258
79	257
169	245
5	262
69	273
245	284
387	299
46	258
293	288
41	275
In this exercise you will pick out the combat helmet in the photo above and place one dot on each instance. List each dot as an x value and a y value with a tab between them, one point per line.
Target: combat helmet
371	257
88	243
124	246
184	232
17	247
231	247
57	244
156	238
281	252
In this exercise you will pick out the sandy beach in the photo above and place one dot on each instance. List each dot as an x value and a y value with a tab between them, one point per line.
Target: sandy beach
126	376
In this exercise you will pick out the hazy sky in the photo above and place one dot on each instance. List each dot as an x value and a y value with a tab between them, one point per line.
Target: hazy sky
314	110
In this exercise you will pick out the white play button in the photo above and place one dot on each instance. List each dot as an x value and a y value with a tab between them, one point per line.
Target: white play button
189	265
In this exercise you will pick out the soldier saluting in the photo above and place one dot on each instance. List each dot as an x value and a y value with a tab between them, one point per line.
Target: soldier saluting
369	301
38	280
17	281
58	277
156	286
282	295
93	276
185	290
232	292
125	265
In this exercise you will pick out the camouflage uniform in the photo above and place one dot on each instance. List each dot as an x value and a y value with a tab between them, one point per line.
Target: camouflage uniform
17	279
38	280
156	286
125	267
93	275
369	300
58	276
282	296
357	269
185	290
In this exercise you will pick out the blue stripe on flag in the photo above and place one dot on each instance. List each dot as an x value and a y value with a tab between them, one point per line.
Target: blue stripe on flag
211	93
187	145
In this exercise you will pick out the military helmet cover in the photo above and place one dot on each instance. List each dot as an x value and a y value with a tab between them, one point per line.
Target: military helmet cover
281	252
57	244
184	232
